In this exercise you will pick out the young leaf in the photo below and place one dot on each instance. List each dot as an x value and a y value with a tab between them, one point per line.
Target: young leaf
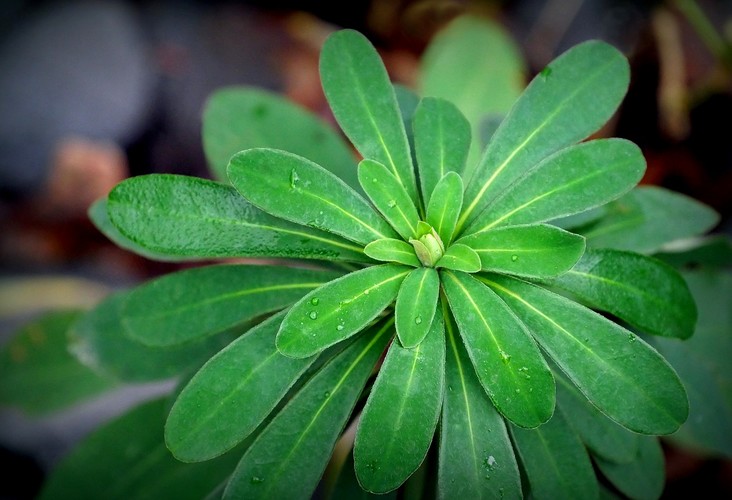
289	456
555	461
647	218
194	303
192	217
400	416
293	188
507	360
476	457
645	292
644	477
392	250
441	142
444	206
460	257
622	375
533	251
570	99
239	118
362	98
415	305
207	418
570	181
338	309
389	197
39	375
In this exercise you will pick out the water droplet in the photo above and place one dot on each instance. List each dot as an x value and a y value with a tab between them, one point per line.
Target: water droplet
491	461
320	213
518	391
256	480
374	179
505	357
546	73
326	394
315	301
391	203
293	179
340	327
313	315
344	302
631	338
449	388
418	320
514	258
366	292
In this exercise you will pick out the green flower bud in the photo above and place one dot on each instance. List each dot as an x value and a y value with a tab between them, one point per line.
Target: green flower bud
429	248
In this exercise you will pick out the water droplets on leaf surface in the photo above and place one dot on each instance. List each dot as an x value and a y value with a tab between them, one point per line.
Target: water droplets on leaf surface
340	327
514	258
294	178
256	480
313	315
418	320
546	73
505	357
392	203
315	301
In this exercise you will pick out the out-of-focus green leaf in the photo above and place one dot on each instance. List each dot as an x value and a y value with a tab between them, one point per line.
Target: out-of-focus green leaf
416	305
714	250
644	477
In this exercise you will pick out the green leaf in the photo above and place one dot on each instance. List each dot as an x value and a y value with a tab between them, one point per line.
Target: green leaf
392	250
490	79
195	303
476	457
192	217
293	188
126	459
207	418
239	118
415	305
507	360
389	197
622	375
460	257
555	461
444	206
99	340
570	181
647	218
572	222
338	309
400	416
645	292
644	477
714	250
289	456
531	251
441	142
37	372
570	99
602	436
347	487
362	98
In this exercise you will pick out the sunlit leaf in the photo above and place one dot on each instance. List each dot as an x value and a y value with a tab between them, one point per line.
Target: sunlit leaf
460	257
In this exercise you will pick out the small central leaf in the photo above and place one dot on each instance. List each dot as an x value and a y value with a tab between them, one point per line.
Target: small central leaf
429	247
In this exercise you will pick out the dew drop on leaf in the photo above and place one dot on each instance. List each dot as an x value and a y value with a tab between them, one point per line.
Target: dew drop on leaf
514	258
418	320
326	394
293	179
631	338
340	327
256	480
366	292
315	301
392	203
546	73
505	357
313	315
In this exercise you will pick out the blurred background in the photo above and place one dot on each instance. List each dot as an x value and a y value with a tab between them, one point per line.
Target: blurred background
92	92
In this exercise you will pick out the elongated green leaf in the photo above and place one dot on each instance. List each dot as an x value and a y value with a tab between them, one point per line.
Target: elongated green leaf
239	118
568	182
644	477
444	206
571	98
192	217
207	418
647	218
400	416
507	360
392	250
362	98
99	340
407	100
572	222
643	291
603	437
288	458
338	309
714	250
415	305
389	197
460	257
295	189
476	457
622	375
532	251
441	142
490	79
37	372
346	485
126	459
194	303
555	461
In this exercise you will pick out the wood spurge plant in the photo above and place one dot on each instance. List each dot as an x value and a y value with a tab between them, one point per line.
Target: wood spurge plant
441	309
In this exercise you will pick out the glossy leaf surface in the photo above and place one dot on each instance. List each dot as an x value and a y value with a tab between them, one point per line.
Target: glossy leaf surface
192	217
460	257
416	305
392	250
644	477
622	375
531	251
400	416
444	206
362	98
507	360
338	309
289	456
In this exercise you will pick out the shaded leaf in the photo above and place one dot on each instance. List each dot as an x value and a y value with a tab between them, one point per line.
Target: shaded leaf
460	257
444	207
346	485
392	250
415	305
644	477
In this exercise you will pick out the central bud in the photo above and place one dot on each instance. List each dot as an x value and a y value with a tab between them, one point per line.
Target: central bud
428	246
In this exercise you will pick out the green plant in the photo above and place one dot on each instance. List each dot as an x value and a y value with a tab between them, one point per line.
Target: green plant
487	310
